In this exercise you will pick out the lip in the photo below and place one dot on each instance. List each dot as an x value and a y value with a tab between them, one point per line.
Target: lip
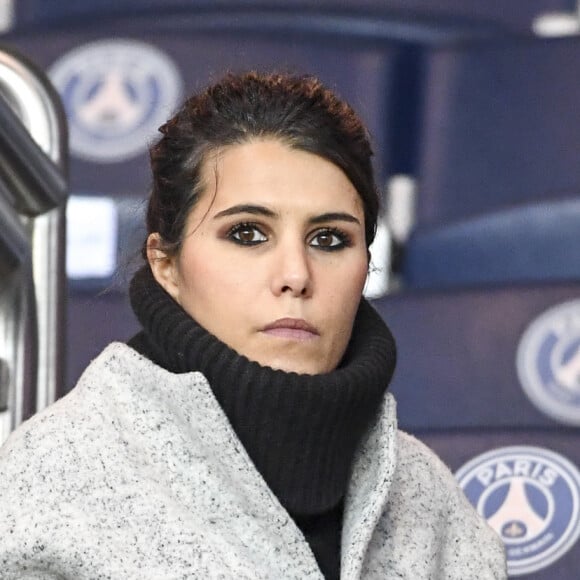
293	328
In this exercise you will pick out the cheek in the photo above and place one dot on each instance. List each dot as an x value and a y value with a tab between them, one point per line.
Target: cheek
215	285
346	292
355	277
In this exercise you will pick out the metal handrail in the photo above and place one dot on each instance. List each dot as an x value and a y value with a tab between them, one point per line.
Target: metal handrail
14	245
36	186
34	166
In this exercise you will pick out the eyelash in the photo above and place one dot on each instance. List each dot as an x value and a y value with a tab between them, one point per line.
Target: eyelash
240	228
344	240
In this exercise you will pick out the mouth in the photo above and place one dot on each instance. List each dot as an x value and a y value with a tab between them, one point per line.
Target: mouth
291	328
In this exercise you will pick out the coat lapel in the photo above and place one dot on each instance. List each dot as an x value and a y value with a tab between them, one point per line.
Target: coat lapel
368	492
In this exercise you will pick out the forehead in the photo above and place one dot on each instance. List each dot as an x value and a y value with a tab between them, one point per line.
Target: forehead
271	173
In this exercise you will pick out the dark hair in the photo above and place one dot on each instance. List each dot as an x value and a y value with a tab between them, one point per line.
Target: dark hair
298	110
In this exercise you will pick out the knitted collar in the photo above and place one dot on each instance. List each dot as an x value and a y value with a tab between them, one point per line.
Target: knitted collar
301	431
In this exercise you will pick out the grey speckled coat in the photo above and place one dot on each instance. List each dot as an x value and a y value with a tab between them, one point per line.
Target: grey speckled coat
137	474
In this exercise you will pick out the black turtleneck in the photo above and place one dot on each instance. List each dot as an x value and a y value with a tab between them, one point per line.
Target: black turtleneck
301	431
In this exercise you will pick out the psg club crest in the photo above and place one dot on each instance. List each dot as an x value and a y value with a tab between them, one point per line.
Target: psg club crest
531	497
548	362
116	94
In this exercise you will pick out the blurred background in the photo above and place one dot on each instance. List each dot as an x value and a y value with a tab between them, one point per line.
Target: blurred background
474	112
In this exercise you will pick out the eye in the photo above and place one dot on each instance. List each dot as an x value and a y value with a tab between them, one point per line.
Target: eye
246	235
330	240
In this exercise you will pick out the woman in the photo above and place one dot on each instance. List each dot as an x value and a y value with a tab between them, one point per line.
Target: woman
245	432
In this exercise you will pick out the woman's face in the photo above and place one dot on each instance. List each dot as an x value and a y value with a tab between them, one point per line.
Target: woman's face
274	263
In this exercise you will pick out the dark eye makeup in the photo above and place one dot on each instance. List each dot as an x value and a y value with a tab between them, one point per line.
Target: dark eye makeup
328	239
246	234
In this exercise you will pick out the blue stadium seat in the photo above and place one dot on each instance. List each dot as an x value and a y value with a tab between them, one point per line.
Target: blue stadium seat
498	175
516	15
458	354
523	244
526	483
361	72
500	127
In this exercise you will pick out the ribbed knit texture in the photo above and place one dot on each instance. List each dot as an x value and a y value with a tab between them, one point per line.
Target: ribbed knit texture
301	431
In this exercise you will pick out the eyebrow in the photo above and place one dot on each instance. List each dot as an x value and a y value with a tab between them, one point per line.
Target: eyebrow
246	208
264	211
334	216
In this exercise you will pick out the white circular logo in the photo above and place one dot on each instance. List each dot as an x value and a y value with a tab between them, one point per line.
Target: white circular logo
531	497
548	362
116	94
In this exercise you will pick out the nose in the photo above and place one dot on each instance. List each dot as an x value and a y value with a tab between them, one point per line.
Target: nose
291	271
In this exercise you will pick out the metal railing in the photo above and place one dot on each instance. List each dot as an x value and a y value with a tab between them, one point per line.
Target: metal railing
33	192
